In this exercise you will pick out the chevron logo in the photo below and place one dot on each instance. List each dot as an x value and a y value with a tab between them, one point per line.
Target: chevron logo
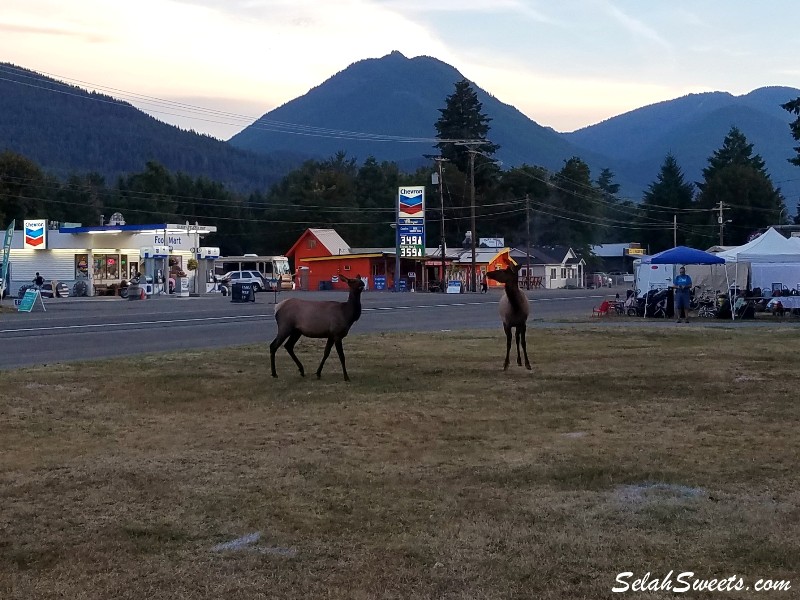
34	234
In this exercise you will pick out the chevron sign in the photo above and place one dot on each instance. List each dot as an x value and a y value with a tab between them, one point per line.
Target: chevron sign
411	202
35	234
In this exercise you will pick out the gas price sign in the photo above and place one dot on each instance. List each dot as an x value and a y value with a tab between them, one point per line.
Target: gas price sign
411	241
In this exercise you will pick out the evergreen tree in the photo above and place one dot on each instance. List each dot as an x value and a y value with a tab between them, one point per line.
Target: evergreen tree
666	197
82	199
506	217
794	108
738	179
462	119
616	213
573	207
22	188
606	183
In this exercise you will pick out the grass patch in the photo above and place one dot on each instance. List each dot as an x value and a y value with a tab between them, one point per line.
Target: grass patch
433	474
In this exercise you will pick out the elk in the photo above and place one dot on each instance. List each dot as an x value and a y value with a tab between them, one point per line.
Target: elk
513	310
317	319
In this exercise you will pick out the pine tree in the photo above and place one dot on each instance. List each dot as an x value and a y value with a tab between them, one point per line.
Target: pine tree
794	108
737	178
614	211
462	119
666	197
573	206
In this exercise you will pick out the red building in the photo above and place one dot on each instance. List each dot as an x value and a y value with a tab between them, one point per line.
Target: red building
321	256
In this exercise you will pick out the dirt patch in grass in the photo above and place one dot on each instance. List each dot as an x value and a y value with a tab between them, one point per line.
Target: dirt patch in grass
433	474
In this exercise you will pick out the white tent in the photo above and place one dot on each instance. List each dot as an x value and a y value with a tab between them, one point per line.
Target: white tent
773	259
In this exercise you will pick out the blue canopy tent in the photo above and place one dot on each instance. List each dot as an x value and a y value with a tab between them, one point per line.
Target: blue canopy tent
683	255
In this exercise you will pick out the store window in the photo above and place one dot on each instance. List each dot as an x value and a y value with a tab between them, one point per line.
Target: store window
107	266
81	266
552	273
563	273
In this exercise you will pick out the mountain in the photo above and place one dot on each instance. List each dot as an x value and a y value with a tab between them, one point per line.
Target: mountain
382	103
398	96
395	96
692	128
66	130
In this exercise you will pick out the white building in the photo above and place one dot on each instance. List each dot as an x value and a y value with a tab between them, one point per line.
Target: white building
100	256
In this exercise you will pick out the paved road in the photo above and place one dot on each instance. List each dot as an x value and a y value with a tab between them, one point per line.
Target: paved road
89	328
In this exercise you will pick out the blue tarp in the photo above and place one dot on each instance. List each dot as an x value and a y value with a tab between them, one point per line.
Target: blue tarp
683	255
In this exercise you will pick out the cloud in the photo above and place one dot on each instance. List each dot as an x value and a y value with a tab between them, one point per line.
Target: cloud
13	28
634	26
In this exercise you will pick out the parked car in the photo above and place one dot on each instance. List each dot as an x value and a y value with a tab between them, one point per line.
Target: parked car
253	277
596	280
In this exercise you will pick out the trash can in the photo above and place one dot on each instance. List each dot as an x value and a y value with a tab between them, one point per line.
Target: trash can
242	292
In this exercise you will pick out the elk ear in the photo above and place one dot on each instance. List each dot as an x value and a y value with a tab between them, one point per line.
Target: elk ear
344	278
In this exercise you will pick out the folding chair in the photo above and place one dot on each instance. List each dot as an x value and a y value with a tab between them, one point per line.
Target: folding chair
602	310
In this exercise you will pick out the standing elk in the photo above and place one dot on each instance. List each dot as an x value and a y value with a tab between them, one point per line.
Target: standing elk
317	319
513	310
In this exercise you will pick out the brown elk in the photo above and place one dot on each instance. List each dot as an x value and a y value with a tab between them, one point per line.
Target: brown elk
513	310
317	319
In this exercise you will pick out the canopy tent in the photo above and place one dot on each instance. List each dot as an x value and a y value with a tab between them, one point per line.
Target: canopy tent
683	255
773	259
769	247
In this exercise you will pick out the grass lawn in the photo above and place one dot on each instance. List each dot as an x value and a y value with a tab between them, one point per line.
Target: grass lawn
433	474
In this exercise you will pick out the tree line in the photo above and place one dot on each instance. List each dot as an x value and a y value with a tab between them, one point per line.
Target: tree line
525	204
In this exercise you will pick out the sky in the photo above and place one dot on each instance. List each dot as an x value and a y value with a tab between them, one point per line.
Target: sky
215	66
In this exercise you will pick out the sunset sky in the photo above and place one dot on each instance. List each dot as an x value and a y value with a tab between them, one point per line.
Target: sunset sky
220	64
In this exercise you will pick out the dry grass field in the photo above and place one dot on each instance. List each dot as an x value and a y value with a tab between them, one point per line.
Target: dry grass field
433	474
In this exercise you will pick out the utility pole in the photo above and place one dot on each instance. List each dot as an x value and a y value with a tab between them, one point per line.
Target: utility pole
528	251
443	274
721	221
443	270
472	148
472	153
674	231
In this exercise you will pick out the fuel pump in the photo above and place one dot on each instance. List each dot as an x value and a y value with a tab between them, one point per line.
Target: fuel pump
204	276
156	269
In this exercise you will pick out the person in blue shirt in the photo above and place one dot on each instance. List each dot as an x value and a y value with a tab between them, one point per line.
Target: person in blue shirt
682	285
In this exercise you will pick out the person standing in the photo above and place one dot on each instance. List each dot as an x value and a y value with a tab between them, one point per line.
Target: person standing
682	285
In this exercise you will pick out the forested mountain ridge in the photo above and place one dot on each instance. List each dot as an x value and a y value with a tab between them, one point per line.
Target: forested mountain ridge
362	111
692	127
398	96
68	130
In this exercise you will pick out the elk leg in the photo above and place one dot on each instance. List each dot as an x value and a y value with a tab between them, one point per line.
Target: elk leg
325	354
340	352
516	337
295	335
273	348
508	345
524	346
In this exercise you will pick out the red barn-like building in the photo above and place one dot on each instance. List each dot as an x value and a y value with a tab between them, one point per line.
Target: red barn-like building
321	256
